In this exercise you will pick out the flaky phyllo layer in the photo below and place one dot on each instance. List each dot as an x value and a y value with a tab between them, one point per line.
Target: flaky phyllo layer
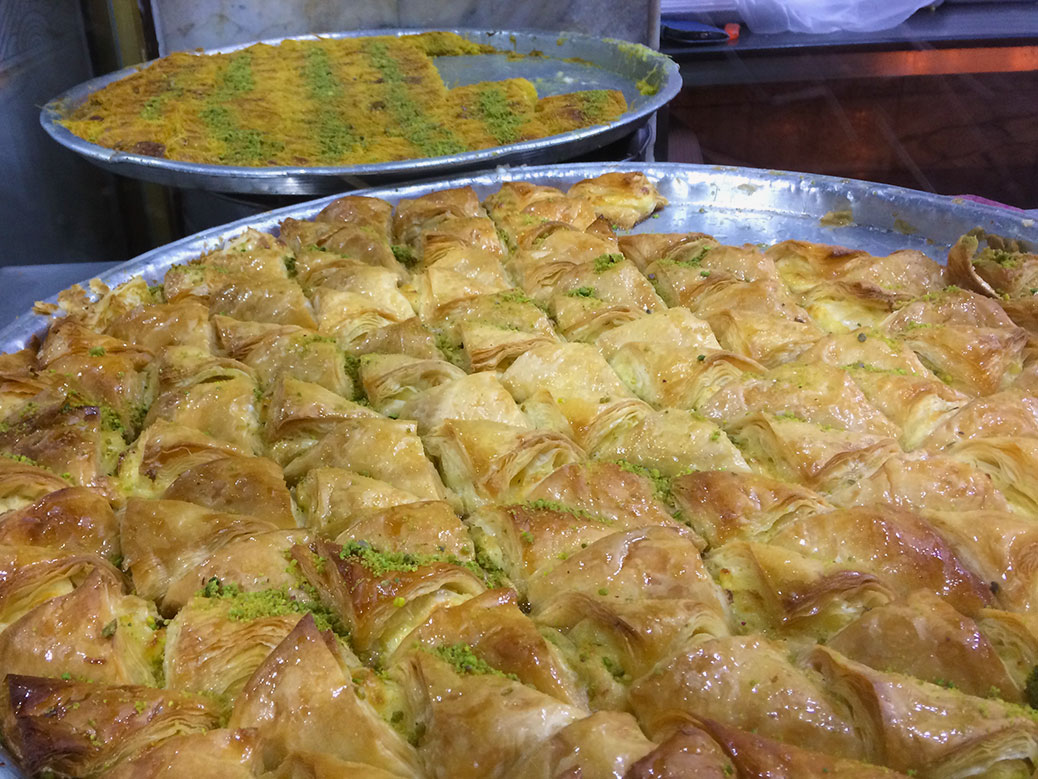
496	489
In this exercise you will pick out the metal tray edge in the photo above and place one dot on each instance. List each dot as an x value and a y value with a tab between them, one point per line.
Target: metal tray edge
744	183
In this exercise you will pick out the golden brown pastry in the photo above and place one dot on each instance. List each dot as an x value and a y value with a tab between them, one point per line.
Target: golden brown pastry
523	498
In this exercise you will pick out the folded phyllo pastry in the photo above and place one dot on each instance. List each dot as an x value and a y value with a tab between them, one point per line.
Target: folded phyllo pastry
472	717
77	728
303	699
238	485
675	378
20	382
781	593
409	337
577	382
919	482
655	562
726	505
645	248
687	259
155	326
168	546
488	332
1003	271
1013	412
479	396
486	462
350	316
299	414
604	489
845	289
381	596
76	520
924	637
674	329
756	756
32	575
1014	636
901	548
220	637
966	339
813	392
754	684
803	265
520	208
428	527
821	457
390	380
460	275
604	743
23	483
496	631
370	212
670	441
273	351
558	255
912	725
1011	463
624	199
457	234
95	633
331	498
368	242
995	545
893	379
94	370
531	537
221	402
428	211
279	301
385	449
231	754
163	452
79	440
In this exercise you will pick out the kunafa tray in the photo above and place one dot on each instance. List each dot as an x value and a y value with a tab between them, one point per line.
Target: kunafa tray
554	63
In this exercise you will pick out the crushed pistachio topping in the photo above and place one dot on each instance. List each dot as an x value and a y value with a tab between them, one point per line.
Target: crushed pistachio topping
465	661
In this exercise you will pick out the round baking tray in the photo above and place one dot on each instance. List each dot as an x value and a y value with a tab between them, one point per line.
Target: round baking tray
736	205
562	63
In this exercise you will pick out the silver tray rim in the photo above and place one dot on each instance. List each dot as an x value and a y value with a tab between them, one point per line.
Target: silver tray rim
742	182
741	186
317	179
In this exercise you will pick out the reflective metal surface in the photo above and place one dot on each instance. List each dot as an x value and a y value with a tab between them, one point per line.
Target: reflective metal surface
594	63
737	205
182	25
43	49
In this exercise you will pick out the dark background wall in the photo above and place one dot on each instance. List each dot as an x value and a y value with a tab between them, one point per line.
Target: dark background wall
952	134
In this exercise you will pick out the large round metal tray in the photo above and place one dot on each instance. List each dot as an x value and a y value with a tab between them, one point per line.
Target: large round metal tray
571	62
736	205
